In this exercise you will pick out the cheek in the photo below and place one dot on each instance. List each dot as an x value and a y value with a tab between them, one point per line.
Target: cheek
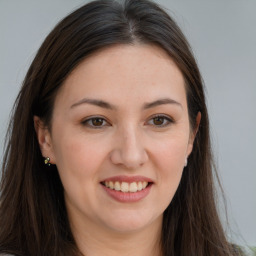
78	162
171	153
78	159
170	160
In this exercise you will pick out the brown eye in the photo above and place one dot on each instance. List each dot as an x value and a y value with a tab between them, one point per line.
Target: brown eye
95	122
160	121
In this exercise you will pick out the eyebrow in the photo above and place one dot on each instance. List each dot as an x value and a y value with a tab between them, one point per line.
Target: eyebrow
106	105
161	102
95	102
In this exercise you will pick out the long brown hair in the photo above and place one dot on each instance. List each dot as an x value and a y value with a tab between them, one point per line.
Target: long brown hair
33	217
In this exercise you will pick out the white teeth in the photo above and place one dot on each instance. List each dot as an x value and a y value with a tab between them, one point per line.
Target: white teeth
117	186
133	187
111	184
139	186
144	184
125	186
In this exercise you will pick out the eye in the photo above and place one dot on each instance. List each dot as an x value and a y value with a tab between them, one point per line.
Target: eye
95	122
160	121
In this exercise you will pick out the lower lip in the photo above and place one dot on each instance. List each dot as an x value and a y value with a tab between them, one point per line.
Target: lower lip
128	197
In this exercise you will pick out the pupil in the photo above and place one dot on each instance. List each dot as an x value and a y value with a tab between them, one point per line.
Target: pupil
97	121
158	120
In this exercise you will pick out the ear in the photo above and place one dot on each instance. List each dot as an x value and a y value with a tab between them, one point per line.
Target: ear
44	139
193	134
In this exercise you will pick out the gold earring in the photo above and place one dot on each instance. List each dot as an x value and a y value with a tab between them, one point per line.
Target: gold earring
47	161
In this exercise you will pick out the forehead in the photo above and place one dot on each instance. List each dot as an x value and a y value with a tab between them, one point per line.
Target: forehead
124	72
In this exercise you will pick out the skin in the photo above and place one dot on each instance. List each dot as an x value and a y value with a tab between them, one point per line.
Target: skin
128	140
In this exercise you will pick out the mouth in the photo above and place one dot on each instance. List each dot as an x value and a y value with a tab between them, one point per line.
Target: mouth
126	187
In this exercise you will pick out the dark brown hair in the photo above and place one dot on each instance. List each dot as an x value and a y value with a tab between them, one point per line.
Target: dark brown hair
33	218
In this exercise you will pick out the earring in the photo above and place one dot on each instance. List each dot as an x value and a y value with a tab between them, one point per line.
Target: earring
186	162
47	161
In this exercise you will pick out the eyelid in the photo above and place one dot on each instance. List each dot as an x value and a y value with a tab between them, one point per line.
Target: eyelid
169	119
86	120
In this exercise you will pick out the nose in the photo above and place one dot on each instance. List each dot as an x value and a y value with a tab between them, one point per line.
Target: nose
128	150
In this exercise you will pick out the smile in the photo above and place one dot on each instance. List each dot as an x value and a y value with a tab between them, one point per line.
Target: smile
127	189
125	186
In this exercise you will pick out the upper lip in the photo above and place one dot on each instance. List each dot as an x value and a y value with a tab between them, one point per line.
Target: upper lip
128	179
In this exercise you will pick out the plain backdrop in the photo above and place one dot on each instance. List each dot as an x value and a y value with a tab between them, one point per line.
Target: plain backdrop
222	34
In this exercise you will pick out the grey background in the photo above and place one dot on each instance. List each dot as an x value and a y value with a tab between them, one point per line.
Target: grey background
222	34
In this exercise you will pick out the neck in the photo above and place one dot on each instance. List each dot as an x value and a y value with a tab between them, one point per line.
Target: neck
93	242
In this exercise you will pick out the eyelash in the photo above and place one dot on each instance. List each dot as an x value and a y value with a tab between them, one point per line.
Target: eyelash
89	121
167	120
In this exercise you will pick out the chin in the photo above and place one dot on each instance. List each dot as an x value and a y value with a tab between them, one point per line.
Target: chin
129	223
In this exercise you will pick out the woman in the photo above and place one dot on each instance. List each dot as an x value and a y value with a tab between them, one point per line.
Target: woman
109	150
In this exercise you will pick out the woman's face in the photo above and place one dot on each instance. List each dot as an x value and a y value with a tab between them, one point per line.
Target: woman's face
120	136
